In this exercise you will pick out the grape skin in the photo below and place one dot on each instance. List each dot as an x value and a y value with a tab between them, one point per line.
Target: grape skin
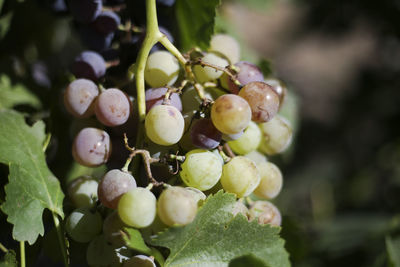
89	65
79	97
276	136
226	45
249	141
91	147
204	134
164	125
278	87
248	72
265	212
240	176
162	69
83	191
263	100
230	114
113	185
155	97
271	181
107	22
137	207
256	156
85	11
112	107
140	261
176	206
206	74
83	225
240	208
201	169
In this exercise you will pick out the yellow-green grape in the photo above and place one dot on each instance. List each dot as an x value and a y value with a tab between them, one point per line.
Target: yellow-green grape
230	114
271	180
256	156
191	99
265	212
197	194
276	136
162	69
83	191
176	206
249	140
226	45
164	125
137	207
201	169
240	176
206	74
240	208
83	224
214	92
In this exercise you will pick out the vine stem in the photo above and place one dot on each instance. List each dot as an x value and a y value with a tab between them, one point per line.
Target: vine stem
60	236
3	248
22	252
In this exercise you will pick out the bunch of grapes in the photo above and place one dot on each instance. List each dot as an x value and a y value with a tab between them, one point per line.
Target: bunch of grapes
209	124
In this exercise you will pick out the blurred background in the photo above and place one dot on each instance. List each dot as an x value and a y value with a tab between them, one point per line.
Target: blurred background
341	62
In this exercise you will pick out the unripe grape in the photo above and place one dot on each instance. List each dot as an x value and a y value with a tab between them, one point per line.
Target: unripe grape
137	207
206	74
276	136
263	100
176	206
230	114
79	97
112	107
240	208
112	228
164	125
265	212
162	69
249	141
271	180
247	73
256	156
83	225
91	147
240	176
197	194
201	169
226	45
113	185
83	191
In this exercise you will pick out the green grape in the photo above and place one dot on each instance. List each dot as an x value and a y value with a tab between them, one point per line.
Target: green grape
256	156
213	92
206	74
162	69
83	225
271	180
112	227
249	140
227	46
100	253
137	207
240	176
83	191
201	169
197	194
140	261
276	136
191	99
240	208
230	114
164	125
176	206
265	212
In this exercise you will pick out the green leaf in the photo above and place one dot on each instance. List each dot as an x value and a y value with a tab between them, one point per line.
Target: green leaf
393	250
9	260
32	187
133	239
196	19
11	95
215	238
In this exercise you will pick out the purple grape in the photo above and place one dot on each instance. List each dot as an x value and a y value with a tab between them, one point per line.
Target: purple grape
155	97
79	97
91	147
89	65
40	74
112	107
107	22
166	2
95	40
248	72
205	135
85	11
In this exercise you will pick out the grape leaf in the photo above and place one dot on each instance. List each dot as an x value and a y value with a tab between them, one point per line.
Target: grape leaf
32	187
196	19
10	260
11	95
215	238
393	250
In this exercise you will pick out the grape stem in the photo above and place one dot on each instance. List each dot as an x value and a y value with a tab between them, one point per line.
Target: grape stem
22	252
223	155
3	248
228	150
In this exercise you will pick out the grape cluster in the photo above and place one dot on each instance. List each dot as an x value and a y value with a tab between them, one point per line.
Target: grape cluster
207	127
